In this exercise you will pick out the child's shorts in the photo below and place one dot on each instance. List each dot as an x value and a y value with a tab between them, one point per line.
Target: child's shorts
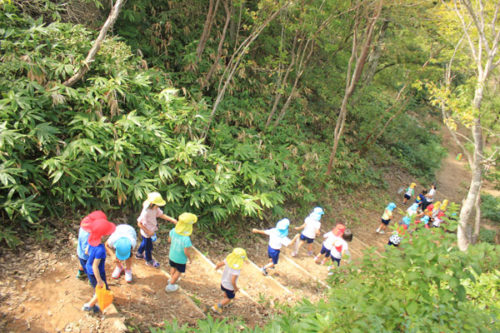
337	260
273	254
83	262
407	197
306	239
229	293
93	280
325	251
386	222
180	267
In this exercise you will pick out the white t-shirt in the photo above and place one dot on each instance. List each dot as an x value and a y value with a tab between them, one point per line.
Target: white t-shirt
275	240
430	195
409	192
227	276
311	227
339	246
123	230
330	239
148	218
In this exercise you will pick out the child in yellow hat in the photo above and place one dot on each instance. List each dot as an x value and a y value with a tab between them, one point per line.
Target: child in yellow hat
148	225
410	191
180	248
233	264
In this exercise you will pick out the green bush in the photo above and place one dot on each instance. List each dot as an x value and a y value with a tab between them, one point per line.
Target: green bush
486	235
490	207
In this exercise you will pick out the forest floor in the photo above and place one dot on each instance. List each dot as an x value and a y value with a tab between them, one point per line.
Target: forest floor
40	293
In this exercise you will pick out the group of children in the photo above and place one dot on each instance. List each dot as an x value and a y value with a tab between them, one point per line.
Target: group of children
423	212
333	247
122	241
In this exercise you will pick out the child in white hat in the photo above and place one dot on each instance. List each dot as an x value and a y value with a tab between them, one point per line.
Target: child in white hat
277	238
121	243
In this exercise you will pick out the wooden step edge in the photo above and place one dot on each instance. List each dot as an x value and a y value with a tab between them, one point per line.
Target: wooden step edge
117	321
186	295
211	263
303	270
276	282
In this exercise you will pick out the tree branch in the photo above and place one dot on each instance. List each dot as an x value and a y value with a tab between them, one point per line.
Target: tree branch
113	15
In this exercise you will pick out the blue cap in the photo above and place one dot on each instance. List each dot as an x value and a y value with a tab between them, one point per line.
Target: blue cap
282	227
391	206
123	247
406	220
318	210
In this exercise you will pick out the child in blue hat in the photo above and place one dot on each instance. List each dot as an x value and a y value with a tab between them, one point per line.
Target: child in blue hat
120	244
311	229
277	239
386	218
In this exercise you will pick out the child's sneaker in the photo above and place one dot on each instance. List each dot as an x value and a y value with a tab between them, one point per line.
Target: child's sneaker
153	263
294	254
264	271
330	273
377	231
170	288
381	232
139	255
310	253
216	309
88	308
81	275
128	275
117	272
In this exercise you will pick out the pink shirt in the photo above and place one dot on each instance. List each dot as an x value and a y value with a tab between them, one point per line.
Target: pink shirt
148	219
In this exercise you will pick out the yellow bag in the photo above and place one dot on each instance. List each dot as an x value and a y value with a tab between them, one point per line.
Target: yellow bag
104	297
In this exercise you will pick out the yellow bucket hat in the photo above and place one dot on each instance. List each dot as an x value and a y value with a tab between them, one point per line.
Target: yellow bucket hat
236	258
412	185
184	226
437	205
444	205
154	198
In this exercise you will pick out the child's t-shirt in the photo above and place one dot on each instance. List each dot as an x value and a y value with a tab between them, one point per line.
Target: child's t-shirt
123	230
430	195
339	246
227	276
275	240
83	243
177	245
96	252
387	215
148	218
330	239
409	192
311	227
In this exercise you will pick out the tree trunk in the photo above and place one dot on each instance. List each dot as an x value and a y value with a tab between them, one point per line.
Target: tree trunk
209	21
352	81
477	223
219	48
110	21
475	185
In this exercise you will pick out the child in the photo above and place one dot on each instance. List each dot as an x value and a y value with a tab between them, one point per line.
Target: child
410	191
82	249
429	197
97	256
180	244
148	224
394	240
327	245
121	243
421	200
277	238
232	269
311	227
386	218
339	249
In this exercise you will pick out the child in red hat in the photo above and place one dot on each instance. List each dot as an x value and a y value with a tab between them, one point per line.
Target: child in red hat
97	256
330	238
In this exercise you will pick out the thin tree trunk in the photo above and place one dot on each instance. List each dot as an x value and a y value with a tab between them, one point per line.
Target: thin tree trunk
282	83
477	223
110	21
207	27
352	81
234	62
219	48
300	72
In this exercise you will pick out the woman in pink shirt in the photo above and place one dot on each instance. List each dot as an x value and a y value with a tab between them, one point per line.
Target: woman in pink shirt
148	225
